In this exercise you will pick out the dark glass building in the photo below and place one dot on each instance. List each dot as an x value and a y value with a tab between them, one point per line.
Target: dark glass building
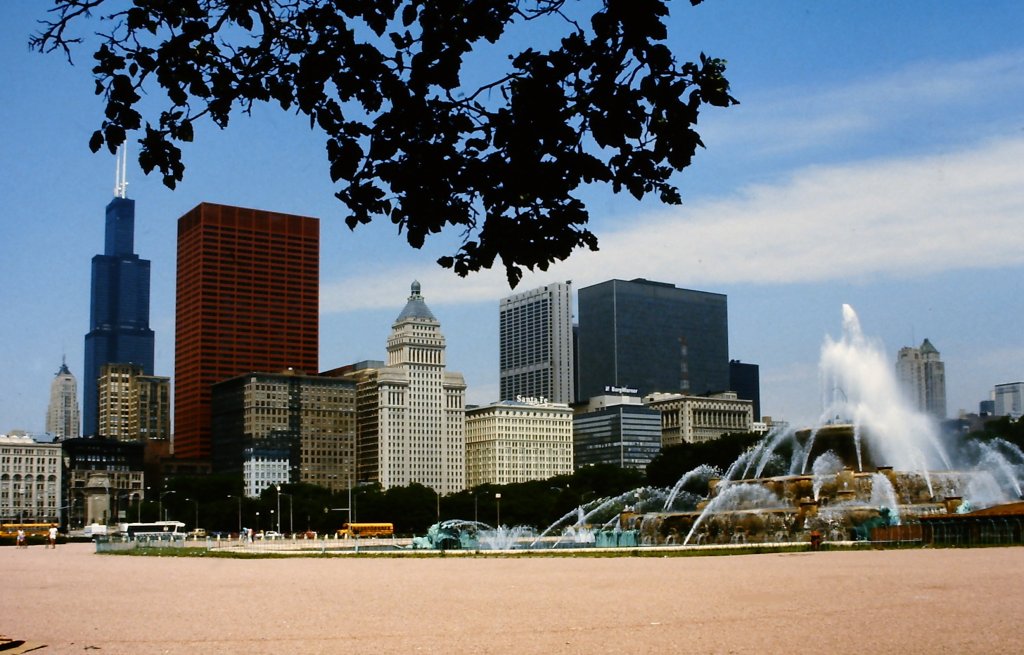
745	380
651	336
119	330
625	435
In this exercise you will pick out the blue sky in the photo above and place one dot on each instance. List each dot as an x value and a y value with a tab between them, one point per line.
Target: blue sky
877	159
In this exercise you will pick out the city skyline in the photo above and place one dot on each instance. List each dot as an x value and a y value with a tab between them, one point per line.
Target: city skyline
874	161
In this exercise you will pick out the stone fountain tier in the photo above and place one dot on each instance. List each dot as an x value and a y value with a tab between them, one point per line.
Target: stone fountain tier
841	439
839	522
847	504
849	486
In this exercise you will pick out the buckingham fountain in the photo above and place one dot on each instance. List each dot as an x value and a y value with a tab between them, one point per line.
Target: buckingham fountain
872	468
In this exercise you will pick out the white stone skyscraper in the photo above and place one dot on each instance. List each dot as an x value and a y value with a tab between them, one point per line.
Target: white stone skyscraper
536	344
923	376
412	412
62	418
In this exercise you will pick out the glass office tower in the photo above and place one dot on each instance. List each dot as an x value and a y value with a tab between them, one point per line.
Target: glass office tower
649	336
119	329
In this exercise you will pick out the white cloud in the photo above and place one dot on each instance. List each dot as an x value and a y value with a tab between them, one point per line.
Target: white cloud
933	93
904	216
955	207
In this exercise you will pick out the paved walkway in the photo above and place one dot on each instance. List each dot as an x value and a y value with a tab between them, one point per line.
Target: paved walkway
909	601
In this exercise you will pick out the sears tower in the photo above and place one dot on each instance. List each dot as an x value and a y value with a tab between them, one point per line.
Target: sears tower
119	330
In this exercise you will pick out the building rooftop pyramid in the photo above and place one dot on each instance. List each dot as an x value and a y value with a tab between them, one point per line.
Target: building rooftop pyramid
416	307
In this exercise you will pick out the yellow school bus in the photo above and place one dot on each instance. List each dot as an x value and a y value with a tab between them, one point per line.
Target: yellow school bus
367	530
31	529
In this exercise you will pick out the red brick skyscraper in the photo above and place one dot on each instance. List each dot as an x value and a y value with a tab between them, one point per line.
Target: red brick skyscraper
248	294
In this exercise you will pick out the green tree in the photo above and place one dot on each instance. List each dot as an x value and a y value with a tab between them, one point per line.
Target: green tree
411	135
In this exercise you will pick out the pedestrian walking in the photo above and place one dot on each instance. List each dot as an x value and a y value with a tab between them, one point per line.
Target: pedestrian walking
22	543
53	536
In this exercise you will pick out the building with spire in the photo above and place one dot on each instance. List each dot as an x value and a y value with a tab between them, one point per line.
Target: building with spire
62	417
119	329
923	377
411	412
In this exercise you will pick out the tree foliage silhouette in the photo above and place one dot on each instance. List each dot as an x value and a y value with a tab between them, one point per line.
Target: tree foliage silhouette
409	136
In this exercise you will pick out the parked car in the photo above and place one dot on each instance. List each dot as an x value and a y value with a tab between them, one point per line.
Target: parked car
272	534
198	533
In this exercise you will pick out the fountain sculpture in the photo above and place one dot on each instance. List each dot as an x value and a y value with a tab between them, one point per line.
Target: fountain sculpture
870	469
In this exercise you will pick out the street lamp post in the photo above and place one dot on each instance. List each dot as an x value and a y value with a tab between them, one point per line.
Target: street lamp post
239	513
291	523
160	505
278	508
194	500
497	499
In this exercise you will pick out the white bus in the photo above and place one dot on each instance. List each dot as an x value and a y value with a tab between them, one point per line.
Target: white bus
156	530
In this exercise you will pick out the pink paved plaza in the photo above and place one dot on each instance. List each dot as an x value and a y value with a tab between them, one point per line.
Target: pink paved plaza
909	601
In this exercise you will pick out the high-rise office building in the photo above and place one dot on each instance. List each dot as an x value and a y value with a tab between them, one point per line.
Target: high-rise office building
411	412
616	429
306	422
62	418
745	380
248	292
642	337
119	306
536	344
133	406
923	376
517	441
1008	400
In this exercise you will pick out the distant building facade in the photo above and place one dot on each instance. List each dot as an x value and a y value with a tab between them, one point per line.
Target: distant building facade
267	463
62	418
745	380
285	427
698	419
536	344
653	337
1008	400
248	290
104	477
119	329
923	377
617	430
30	480
411	415
133	406
517	441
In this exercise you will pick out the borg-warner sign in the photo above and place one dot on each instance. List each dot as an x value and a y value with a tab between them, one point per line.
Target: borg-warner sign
613	389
